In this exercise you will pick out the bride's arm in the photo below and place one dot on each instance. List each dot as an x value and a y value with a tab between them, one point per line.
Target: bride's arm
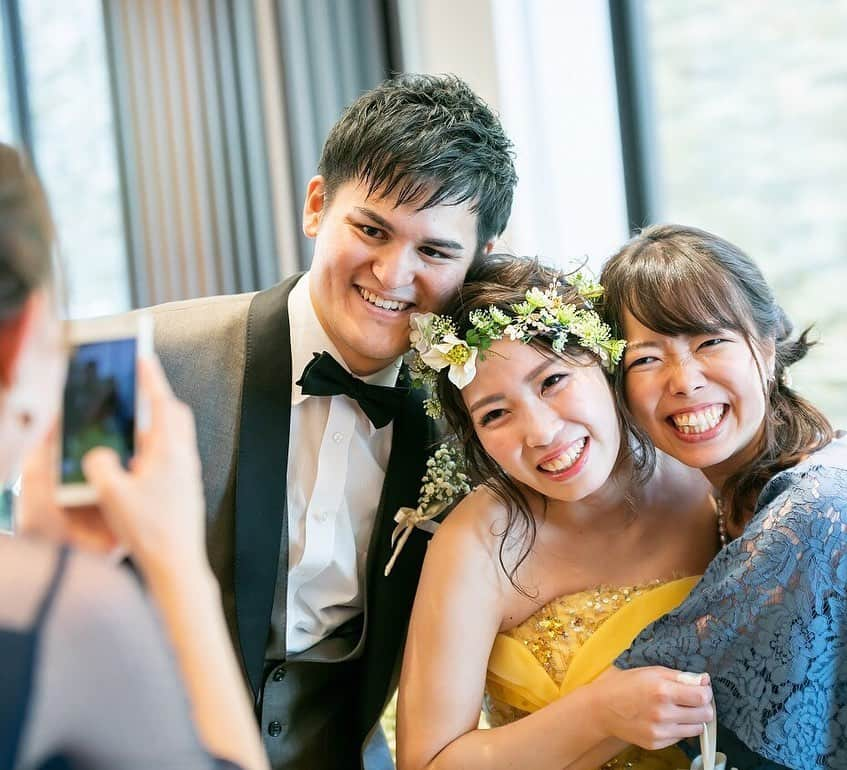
457	614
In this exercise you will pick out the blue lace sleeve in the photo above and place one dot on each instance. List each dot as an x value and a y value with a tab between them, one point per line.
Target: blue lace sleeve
768	623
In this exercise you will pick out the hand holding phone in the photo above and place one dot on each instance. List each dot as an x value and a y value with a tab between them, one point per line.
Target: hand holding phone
154	511
100	405
38	513
156	508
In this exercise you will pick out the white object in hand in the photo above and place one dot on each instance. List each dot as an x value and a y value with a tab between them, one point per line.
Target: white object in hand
689	677
710	758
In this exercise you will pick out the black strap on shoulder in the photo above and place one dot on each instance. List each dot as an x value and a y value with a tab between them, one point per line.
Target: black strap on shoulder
18	655
52	590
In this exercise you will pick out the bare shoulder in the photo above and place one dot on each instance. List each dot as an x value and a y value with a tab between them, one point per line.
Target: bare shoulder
475	522
96	594
92	595
26	567
90	588
103	620
466	545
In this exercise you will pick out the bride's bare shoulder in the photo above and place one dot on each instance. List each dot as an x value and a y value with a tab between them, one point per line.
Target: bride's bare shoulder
463	557
478	517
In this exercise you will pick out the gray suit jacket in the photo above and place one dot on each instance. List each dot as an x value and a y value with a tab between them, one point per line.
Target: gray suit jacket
229	358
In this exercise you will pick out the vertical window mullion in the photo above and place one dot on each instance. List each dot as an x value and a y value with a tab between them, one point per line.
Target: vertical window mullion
634	111
17	75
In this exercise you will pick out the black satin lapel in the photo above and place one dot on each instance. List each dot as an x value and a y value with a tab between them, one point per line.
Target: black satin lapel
262	463
390	598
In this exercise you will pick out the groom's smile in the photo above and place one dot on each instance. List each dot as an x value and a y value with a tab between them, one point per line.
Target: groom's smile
377	262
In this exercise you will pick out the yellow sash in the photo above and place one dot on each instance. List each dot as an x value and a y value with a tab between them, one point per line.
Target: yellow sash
516	677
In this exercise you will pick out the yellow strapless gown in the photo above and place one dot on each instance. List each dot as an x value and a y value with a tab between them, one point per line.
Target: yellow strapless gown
568	643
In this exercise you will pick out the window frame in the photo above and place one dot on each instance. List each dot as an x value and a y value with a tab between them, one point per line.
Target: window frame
16	76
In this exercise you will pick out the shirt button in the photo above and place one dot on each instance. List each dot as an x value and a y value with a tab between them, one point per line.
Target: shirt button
336	437
279	674
274	729
320	516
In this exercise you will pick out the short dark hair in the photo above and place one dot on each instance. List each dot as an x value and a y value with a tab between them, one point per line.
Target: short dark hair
681	280
427	139
26	232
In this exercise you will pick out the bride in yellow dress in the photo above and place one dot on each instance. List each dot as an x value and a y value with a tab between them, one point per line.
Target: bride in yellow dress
576	538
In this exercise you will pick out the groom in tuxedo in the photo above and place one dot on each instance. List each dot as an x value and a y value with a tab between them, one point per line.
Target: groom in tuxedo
309	437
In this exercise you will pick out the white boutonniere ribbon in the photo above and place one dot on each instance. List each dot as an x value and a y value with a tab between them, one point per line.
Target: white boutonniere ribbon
443	482
407	519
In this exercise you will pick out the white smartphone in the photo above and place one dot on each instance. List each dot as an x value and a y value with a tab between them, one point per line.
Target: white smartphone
101	406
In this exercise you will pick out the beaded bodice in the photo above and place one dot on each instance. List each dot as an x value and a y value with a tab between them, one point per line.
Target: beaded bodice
554	634
560	628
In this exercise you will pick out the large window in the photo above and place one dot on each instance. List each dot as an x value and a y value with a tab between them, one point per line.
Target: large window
747	137
557	102
55	101
74	148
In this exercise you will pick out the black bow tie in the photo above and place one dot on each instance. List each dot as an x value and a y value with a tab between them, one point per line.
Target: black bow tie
324	376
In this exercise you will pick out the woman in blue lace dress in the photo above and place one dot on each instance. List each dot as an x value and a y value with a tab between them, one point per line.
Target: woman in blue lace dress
705	374
93	673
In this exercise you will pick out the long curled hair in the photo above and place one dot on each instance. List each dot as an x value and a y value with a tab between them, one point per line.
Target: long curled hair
503	280
681	280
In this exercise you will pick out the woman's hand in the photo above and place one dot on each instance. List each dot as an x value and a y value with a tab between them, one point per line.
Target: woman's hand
37	512
155	508
653	707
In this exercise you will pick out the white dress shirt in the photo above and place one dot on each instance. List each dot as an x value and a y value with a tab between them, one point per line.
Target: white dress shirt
336	467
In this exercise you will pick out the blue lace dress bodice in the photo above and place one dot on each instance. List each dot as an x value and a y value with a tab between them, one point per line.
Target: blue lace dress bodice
768	621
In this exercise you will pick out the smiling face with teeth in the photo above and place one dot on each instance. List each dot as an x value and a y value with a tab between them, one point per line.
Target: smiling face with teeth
701	398
549	422
375	263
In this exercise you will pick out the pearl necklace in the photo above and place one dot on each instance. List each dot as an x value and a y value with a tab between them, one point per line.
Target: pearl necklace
722	535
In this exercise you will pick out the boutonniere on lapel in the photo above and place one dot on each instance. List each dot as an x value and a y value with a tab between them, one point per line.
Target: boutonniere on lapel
445	480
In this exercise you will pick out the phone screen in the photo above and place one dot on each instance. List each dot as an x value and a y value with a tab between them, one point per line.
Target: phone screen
99	403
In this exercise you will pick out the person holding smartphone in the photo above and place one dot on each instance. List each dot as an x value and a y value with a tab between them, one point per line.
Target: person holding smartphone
91	673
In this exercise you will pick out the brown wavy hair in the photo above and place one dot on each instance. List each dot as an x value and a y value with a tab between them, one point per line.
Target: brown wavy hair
502	280
681	280
26	233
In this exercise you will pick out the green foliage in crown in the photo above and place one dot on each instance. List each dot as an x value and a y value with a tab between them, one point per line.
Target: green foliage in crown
436	345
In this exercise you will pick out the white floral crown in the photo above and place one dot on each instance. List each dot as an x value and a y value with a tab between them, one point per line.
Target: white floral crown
543	313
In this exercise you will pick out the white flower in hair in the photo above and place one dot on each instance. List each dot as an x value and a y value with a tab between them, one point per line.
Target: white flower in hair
455	353
421	334
538	298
